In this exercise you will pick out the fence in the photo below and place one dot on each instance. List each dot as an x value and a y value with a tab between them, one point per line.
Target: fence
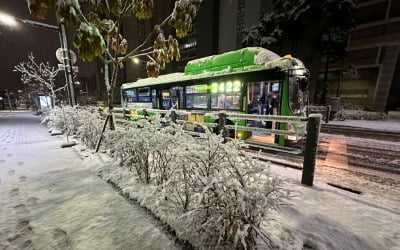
313	125
325	111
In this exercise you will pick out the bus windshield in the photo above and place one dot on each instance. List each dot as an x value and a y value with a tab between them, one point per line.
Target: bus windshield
298	94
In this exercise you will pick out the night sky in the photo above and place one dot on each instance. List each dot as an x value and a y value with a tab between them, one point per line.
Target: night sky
17	42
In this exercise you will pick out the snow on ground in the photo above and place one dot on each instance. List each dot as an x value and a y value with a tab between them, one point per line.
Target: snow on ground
390	125
51	199
382	187
319	217
323	217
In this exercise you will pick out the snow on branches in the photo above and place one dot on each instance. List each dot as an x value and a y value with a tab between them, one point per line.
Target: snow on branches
221	194
38	76
210	190
82	122
97	27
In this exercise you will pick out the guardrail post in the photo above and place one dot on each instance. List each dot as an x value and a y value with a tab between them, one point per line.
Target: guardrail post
145	114
174	116
310	152
222	123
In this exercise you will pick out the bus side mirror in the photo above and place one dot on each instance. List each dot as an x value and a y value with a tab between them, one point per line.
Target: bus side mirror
303	83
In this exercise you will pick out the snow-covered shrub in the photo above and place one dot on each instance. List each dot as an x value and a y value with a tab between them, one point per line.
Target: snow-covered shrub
141	147
355	112
73	120
352	114
84	123
90	126
222	195
53	119
178	185
234	193
195	164
172	145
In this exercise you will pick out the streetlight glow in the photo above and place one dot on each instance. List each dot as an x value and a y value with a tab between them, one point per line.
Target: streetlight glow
135	60
8	20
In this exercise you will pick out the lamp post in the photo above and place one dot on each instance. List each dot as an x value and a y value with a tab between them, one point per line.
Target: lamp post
10	20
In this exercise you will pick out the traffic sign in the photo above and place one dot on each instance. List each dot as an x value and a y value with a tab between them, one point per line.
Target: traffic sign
60	55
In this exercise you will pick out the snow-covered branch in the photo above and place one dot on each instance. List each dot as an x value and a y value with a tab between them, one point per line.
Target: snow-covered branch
37	74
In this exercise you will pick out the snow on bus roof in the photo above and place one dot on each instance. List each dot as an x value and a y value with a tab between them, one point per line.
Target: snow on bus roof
263	60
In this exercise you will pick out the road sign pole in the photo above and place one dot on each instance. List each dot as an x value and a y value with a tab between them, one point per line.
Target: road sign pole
67	62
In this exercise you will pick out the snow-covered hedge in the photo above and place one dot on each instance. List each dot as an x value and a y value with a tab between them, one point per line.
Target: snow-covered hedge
352	114
355	112
220	194
83	122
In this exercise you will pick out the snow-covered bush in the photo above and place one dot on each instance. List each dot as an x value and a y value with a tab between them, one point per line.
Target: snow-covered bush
53	119
72	120
355	112
84	123
222	195
90	126
146	146
232	195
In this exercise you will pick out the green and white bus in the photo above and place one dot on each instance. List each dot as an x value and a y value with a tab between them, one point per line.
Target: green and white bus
250	80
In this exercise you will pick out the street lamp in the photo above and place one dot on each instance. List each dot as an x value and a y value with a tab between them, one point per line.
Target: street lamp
135	60
12	21
7	20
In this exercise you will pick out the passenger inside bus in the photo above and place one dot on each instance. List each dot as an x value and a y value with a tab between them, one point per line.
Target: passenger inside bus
263	100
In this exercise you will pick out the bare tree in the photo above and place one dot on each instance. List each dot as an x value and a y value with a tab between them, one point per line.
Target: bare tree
38	77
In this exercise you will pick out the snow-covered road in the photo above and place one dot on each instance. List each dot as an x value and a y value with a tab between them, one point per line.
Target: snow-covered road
49	199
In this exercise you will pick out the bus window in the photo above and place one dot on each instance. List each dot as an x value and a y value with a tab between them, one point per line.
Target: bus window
226	95
197	96
130	96
176	96
144	94
264	98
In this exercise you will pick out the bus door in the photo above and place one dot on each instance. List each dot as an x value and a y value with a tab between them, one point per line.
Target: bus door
176	96
264	99
172	97
165	99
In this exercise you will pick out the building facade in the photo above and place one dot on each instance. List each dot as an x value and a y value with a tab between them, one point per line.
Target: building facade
216	30
373	47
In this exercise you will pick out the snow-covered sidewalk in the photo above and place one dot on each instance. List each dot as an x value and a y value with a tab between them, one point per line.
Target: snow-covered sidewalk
324	217
51	199
319	217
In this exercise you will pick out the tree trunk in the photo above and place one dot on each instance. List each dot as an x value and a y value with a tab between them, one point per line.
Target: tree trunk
53	99
110	109
109	95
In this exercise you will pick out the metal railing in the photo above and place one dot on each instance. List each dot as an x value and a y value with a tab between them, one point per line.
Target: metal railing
325	111
313	125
